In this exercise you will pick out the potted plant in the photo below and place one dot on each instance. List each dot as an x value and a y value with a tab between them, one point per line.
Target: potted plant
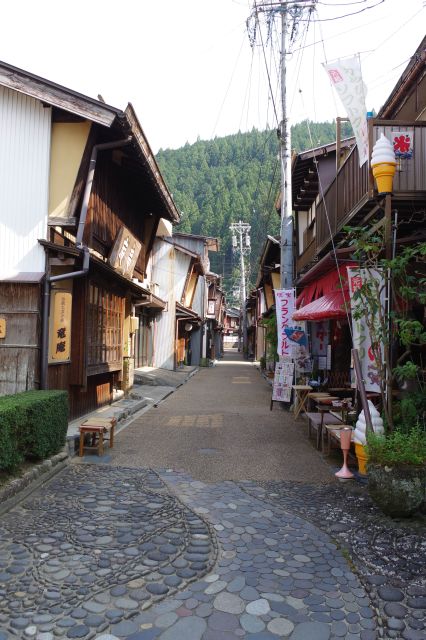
397	470
396	460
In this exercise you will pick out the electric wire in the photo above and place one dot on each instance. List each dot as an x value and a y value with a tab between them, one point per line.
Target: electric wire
397	30
228	87
267	71
347	307
349	15
341	33
248	91
341	4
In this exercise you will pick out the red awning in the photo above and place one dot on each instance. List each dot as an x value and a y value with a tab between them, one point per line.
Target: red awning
330	282
329	307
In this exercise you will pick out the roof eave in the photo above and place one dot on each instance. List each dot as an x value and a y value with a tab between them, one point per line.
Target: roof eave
149	157
56	95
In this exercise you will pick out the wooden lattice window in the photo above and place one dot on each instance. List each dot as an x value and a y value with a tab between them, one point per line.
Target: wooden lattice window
105	330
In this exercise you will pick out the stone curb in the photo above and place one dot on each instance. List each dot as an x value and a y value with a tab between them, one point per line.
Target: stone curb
126	415
19	488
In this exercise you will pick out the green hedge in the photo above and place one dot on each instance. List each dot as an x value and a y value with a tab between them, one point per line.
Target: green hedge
33	426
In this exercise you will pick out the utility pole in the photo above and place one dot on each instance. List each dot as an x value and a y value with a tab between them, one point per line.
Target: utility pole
292	12
286	228
242	229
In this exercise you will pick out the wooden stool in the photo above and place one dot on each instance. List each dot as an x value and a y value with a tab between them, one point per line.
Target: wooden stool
97	427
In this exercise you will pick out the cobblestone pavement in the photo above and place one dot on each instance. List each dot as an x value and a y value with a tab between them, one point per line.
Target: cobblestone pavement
389	555
80	560
238	549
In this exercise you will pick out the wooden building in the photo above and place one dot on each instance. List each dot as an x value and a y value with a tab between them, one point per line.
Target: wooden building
81	200
215	316
180	266
231	335
268	279
323	208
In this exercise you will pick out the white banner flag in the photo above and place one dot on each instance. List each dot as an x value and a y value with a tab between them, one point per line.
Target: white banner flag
284	304
346	78
361	334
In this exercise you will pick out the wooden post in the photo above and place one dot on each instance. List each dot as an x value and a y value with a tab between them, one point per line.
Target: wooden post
387	347
388	226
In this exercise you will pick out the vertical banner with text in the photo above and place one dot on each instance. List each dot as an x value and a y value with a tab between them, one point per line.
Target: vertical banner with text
284	303
361	333
346	77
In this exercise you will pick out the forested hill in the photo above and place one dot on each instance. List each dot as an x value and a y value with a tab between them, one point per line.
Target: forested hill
216	182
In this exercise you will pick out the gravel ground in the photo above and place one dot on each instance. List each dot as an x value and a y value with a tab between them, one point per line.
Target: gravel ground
219	427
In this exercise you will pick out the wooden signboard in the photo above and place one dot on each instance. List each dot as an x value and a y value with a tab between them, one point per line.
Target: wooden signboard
125	253
211	308
60	326
2	327
283	380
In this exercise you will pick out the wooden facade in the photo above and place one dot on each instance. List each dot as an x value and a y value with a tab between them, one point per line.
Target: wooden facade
351	196
20	309
111	198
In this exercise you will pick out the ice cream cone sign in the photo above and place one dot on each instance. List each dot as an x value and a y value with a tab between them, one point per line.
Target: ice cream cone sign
383	164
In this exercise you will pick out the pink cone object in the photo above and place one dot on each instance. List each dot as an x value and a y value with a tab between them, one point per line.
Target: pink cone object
345	443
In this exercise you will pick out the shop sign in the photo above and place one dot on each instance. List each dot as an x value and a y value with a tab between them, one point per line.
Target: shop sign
2	327
210	310
319	337
403	144
125	253
283	380
60	326
299	347
284	303
361	334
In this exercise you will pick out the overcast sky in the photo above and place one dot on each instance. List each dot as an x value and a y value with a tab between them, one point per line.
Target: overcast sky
188	68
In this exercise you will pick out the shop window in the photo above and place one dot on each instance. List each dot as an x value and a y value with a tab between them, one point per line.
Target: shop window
105	330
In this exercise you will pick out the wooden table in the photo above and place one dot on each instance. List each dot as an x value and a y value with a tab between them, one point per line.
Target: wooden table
316	422
325	401
301	395
315	395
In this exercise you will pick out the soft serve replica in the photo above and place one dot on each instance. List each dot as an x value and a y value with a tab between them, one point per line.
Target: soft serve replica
360	428
383	164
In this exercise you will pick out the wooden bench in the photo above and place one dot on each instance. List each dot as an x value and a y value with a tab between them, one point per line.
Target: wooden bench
97	428
316	420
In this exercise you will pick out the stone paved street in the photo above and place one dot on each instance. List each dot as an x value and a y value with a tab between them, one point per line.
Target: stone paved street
165	538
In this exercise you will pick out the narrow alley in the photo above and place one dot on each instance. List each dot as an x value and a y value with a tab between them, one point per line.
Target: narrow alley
219	427
200	524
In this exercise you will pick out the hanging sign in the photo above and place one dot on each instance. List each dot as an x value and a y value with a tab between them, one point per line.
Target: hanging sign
361	334
299	348
319	338
60	326
346	78
284	304
403	144
125	252
211	308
